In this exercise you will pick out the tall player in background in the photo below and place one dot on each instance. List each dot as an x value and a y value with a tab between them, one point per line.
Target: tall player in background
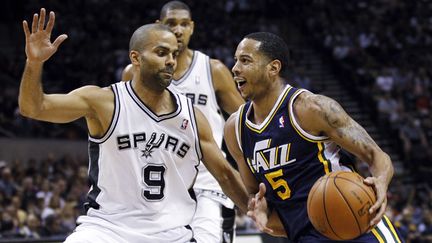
210	86
145	142
285	138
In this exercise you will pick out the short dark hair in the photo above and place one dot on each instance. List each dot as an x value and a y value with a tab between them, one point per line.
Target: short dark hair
174	5
274	47
141	34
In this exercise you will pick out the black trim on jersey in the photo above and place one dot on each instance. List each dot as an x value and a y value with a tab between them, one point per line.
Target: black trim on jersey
93	177
114	118
192	194
186	74
197	140
195	128
190	228
148	111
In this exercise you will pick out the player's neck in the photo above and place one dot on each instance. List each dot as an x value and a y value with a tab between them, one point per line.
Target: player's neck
263	104
159	102
184	60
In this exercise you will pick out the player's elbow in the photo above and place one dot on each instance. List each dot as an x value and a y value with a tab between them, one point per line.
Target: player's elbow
389	163
27	110
24	111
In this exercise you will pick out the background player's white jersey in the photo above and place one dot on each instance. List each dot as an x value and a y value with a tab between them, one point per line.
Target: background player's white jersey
197	84
143	168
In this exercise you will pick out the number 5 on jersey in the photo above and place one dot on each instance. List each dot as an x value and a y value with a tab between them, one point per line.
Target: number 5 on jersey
279	185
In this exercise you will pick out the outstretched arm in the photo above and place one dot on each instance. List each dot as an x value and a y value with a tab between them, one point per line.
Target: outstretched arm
320	115
228	97
32	101
227	177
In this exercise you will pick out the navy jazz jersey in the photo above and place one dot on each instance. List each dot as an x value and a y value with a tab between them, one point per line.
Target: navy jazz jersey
287	159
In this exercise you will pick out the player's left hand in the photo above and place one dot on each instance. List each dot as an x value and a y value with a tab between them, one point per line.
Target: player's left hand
258	210
380	187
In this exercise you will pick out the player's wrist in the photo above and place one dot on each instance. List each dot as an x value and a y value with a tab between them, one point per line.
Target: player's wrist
32	62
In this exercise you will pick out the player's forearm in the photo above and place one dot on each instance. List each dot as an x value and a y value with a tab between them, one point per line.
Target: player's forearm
30	94
233	187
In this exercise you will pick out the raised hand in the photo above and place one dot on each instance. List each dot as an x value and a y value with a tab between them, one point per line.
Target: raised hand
38	44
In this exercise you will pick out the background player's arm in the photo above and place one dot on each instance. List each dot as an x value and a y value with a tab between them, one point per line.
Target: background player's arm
227	177
226	92
320	115
272	222
127	73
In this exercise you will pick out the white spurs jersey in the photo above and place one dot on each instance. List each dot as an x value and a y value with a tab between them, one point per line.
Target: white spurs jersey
197	84
143	169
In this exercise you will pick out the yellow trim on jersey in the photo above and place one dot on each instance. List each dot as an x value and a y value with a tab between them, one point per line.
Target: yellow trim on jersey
265	159
321	157
239	126
292	121
276	162
377	235
395	235
250	165
288	152
272	115
268	146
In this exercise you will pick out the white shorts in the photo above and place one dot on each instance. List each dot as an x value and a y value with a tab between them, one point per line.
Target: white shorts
208	220
90	233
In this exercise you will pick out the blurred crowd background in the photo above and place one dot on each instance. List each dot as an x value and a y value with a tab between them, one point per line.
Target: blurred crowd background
378	51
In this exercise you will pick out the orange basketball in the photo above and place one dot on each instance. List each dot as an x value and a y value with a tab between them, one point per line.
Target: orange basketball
338	205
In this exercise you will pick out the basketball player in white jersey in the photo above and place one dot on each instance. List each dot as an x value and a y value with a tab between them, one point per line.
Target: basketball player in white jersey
210	86
143	141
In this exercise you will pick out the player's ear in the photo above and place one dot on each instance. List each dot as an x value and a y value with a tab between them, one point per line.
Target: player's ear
134	57
192	27
274	67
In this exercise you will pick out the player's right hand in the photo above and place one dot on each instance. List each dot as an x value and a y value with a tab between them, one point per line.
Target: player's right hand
38	44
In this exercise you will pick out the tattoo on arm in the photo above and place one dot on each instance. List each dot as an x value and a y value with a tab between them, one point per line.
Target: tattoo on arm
345	127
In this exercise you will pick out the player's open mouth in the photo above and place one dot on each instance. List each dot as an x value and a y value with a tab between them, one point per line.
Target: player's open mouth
240	81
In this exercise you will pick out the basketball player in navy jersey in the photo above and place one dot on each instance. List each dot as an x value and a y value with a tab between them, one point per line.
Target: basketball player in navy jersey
285	138
143	141
209	84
